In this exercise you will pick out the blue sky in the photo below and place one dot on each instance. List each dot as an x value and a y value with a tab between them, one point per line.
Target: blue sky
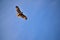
43	21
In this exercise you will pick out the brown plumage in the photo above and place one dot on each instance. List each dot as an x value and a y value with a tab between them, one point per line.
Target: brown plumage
20	14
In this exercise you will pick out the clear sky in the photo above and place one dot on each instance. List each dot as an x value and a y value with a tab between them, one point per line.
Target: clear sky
43	21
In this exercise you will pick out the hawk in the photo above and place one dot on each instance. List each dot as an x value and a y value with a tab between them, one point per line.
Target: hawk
20	14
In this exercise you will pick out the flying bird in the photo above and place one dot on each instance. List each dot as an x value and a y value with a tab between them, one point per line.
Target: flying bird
20	14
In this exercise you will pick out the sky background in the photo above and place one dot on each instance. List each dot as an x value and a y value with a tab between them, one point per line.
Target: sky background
43	21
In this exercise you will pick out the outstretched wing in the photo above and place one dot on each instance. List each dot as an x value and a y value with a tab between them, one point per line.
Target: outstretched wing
21	15
17	9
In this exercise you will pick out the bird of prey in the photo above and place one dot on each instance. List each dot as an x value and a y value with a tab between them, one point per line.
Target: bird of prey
20	14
